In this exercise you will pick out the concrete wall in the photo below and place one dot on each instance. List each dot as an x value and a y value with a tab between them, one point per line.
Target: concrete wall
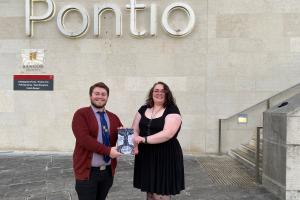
274	151
281	150
228	63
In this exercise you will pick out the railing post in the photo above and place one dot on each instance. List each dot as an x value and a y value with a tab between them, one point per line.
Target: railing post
268	104
220	135
257	176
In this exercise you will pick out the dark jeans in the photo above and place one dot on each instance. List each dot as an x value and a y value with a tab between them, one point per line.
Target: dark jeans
97	187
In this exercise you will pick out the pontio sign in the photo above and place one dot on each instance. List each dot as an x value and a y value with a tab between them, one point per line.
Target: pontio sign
133	7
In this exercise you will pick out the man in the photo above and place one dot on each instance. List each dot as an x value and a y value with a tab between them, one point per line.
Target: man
94	158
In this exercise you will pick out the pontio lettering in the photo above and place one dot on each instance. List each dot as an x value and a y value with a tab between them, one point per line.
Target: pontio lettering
133	7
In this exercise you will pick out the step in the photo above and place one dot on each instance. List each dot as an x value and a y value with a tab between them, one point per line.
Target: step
253	142
244	158
251	149
249	154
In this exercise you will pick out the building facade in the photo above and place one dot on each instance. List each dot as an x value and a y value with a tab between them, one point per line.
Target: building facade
236	54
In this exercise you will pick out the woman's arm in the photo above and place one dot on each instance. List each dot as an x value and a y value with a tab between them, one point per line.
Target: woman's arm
135	124
136	131
172	124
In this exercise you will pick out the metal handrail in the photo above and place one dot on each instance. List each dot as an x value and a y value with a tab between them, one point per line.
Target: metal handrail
220	139
257	153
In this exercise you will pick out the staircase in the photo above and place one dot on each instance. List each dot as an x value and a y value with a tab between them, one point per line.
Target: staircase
246	155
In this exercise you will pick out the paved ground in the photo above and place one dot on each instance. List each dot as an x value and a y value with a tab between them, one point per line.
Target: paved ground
36	176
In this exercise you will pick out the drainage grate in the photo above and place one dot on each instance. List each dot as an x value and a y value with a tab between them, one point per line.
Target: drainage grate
226	171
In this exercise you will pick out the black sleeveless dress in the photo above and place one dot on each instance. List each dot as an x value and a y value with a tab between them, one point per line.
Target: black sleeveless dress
158	168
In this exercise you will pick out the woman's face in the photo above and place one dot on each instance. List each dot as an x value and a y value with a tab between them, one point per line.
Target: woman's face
158	94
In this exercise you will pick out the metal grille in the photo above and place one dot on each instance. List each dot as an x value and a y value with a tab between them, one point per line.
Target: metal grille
226	171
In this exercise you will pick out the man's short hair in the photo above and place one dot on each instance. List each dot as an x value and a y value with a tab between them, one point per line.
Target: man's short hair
100	85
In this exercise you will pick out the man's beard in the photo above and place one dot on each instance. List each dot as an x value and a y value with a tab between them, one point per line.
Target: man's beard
96	106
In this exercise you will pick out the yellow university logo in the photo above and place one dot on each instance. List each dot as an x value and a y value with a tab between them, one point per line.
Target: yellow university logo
33	60
32	55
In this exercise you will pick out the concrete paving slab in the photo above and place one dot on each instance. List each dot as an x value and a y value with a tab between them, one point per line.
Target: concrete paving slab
49	176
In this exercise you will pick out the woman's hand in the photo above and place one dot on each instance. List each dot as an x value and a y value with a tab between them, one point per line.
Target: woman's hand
138	139
136	150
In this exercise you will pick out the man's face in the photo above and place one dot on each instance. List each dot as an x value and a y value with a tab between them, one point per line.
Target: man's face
99	97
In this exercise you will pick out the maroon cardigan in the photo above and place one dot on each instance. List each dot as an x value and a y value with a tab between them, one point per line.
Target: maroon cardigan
85	129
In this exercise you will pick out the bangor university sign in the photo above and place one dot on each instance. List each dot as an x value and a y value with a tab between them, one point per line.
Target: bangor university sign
99	9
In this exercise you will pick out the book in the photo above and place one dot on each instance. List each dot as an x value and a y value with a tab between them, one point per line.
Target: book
125	141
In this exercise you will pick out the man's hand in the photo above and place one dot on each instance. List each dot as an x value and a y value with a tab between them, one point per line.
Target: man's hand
114	153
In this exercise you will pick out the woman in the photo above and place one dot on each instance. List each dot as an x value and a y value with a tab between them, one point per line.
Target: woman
158	166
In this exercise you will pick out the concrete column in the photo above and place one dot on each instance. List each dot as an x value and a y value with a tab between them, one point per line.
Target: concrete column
281	149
